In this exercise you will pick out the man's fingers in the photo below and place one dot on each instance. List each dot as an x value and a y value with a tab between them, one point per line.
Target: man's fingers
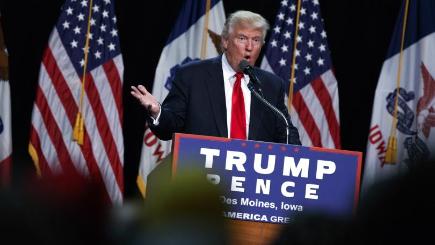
137	96
143	89
145	98
134	89
136	93
139	90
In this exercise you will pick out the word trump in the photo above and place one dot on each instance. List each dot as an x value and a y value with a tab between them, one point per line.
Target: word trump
236	161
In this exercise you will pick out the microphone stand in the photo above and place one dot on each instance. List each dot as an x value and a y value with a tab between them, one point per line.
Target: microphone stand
273	108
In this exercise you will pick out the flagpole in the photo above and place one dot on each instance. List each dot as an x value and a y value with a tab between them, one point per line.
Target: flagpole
292	68
78	133
205	30
391	154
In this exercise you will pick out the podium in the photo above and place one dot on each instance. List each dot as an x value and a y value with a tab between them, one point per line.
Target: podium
265	185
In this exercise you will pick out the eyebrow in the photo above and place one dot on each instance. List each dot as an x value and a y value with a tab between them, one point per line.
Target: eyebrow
243	35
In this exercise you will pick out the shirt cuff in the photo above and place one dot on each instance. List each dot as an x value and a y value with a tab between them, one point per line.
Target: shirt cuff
156	120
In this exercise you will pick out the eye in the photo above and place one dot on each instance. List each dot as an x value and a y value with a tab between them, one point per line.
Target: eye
256	40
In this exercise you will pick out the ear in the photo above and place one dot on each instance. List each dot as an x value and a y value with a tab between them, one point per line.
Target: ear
225	43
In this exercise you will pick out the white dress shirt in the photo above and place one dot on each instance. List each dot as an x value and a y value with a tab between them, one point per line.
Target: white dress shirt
229	80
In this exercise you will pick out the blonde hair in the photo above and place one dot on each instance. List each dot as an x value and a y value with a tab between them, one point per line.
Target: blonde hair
247	18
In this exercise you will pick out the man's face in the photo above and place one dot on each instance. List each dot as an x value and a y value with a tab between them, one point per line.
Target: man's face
243	43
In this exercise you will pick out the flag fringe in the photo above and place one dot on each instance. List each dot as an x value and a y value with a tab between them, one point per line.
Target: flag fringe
391	154
78	133
35	158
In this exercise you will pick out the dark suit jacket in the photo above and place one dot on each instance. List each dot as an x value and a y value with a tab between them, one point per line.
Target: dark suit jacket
196	105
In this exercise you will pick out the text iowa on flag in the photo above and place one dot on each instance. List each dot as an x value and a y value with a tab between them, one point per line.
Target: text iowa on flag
189	40
314	110
58	98
416	97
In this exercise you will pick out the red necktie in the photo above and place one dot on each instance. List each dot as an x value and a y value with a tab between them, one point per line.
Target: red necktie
238	116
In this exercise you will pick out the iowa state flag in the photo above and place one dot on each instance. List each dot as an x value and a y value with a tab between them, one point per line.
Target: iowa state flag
196	35
416	96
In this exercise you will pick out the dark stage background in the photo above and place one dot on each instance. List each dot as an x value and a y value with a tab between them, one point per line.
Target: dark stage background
358	35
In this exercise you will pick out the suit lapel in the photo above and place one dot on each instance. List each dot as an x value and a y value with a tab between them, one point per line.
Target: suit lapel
216	92
255	116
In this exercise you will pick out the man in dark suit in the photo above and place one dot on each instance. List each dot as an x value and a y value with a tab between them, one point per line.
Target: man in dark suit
211	97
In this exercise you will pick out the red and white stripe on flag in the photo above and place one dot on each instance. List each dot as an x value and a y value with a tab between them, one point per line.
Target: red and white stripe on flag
315	112
57	103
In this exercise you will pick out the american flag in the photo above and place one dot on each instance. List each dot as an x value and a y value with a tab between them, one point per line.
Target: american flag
314	110
58	94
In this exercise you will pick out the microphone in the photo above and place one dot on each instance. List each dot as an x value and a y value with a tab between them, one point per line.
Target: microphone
247	69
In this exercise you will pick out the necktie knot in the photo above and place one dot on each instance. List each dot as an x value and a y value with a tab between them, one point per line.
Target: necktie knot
239	75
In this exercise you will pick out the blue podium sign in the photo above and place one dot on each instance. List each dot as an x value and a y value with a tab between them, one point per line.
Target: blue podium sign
269	182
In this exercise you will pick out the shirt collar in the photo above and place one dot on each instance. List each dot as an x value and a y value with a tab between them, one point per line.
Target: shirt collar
228	70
